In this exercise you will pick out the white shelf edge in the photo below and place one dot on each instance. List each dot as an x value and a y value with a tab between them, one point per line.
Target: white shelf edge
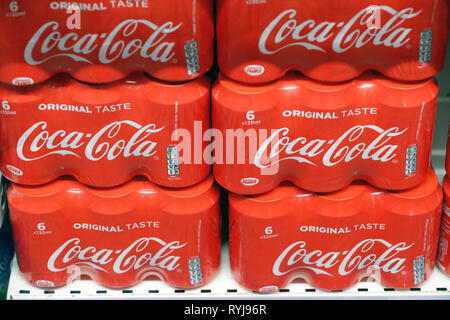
223	287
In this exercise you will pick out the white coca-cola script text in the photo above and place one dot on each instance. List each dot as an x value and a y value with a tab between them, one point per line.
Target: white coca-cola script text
361	256
285	31
152	252
279	147
121	43
96	146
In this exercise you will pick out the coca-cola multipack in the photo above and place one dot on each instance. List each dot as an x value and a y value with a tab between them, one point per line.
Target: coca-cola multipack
324	117
117	236
402	39
334	240
443	259
103	41
106	134
447	157
322	136
103	109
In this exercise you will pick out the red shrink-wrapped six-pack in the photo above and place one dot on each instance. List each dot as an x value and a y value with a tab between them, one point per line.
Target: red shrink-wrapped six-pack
102	41
402	39
443	257
104	134
334	240
322	136
447	157
117	236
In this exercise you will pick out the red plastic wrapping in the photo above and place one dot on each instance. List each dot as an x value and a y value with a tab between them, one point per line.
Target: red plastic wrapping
105	134
323	136
325	40
334	240
443	259
447	156
117	236
105	40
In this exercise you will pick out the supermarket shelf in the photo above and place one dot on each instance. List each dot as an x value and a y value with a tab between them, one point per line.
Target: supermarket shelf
224	287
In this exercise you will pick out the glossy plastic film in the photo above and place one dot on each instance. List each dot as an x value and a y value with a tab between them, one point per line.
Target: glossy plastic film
104	135
447	156
443	258
402	39
118	236
323	136
332	241
103	41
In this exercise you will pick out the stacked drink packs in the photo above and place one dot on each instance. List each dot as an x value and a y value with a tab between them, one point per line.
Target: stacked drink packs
119	136
443	259
93	114
329	113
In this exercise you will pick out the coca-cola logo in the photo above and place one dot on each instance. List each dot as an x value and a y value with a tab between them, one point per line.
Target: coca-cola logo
279	147
152	252
364	254
37	142
121	43
285	31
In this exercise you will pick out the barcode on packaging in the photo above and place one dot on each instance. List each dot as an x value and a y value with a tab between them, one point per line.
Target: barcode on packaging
192	60
419	270
195	271
173	167
426	40
411	160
